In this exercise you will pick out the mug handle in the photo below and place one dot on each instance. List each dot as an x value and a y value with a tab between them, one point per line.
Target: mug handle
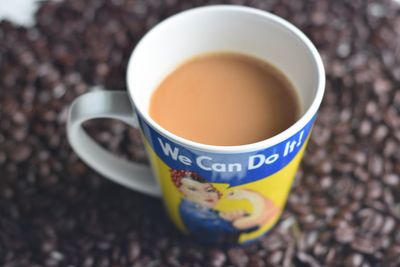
114	105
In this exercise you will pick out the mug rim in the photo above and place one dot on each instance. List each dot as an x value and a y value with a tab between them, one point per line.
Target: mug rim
308	115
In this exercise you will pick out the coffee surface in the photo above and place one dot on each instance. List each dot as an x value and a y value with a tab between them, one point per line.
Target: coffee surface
225	99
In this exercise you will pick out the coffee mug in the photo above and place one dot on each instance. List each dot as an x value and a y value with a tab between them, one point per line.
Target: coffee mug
220	195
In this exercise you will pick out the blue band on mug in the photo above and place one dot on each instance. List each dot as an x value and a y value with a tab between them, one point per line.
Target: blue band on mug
231	168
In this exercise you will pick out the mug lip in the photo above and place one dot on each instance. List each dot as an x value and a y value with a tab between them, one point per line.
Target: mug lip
308	115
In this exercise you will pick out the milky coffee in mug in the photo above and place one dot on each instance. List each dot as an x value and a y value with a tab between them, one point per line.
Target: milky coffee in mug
225	99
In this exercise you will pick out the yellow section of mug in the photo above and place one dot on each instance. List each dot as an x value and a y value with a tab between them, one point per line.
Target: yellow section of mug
170	194
262	200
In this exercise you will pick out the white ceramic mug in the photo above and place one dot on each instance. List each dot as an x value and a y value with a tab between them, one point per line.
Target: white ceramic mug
218	194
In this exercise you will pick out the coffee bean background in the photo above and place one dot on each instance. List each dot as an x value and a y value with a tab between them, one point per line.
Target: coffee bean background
344	209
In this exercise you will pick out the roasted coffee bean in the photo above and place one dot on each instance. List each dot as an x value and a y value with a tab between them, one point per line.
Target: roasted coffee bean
365	245
217	258
354	260
344	234
237	257
388	225
307	259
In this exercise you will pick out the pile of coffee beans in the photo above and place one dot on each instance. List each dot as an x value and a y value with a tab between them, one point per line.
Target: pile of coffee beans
344	209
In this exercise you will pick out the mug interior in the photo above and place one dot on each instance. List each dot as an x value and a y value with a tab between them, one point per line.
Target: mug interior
230	29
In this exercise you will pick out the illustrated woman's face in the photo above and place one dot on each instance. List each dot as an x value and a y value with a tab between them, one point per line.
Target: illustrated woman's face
201	193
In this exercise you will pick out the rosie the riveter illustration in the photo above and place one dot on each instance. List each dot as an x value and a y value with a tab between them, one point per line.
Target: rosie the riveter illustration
210	226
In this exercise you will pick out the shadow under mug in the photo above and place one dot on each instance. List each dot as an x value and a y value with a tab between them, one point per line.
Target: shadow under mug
220	195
